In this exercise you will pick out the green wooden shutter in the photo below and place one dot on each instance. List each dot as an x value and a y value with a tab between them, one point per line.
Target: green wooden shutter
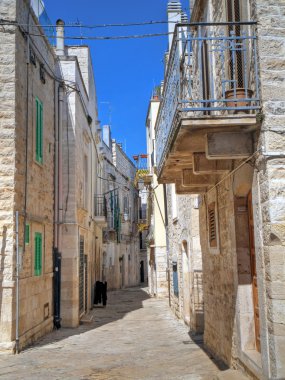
38	254
39	131
27	234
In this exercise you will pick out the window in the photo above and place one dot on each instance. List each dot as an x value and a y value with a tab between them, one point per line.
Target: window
173	201
235	54
85	184
212	225
175	279
38	254
39	131
27	234
126	208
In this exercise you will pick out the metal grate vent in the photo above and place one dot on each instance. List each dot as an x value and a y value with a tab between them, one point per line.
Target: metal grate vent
212	225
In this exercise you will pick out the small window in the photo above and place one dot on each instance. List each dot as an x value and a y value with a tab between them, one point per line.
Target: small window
39	131
175	279
38	254
212	225
174	201
27	234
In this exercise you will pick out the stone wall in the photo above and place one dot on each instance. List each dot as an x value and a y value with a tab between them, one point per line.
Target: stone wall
269	199
28	185
7	170
229	317
185	250
80	182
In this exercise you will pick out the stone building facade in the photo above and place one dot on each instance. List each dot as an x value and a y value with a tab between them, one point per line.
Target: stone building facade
48	174
157	255
81	234
244	283
121	249
26	176
219	134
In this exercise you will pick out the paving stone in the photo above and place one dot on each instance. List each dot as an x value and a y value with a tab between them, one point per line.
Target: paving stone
134	337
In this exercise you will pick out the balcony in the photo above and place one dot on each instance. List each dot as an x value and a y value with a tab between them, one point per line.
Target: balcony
210	104
100	210
43	19
143	176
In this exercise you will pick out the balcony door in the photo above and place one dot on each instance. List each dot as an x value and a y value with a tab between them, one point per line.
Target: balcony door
236	66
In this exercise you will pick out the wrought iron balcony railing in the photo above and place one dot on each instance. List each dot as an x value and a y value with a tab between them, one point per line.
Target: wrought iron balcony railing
100	204
44	20
212	70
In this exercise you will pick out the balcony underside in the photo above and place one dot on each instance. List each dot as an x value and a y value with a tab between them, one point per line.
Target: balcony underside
203	150
101	221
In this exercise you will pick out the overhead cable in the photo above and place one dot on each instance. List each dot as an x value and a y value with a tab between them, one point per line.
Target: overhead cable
79	25
98	38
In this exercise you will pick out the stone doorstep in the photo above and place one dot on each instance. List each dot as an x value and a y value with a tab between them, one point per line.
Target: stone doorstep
87	318
230	374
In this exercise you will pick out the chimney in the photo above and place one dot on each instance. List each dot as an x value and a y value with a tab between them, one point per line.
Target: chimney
60	37
174	17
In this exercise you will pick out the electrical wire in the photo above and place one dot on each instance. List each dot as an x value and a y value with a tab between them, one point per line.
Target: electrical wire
74	87
4	22
95	26
103	38
235	170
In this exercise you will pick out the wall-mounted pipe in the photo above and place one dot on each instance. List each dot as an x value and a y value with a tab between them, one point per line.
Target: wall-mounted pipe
60	189
17	281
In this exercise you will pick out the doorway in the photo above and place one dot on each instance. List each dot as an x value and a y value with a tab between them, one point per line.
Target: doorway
142	271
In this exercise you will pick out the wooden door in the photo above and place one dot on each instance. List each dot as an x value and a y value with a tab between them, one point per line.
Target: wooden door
253	273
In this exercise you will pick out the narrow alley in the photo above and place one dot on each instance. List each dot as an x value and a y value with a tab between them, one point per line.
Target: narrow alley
134	337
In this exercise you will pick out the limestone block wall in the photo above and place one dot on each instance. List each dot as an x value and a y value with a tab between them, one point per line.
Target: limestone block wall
221	283
185	253
27	185
218	279
7	170
36	293
269	199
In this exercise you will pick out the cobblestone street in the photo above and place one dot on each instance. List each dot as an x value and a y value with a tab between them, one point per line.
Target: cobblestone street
134	337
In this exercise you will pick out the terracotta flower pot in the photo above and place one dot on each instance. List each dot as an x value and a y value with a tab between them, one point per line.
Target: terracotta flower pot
238	93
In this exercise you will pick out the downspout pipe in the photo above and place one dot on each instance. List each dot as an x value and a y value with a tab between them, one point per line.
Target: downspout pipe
56	166
58	187
60	197
17	282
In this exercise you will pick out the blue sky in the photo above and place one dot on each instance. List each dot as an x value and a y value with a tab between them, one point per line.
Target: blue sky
125	70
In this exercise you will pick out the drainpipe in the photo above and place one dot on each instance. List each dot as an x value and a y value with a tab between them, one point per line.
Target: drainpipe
167	241
60	198
17	281
58	209
56	166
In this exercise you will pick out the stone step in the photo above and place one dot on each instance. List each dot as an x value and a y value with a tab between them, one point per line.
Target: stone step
87	318
230	374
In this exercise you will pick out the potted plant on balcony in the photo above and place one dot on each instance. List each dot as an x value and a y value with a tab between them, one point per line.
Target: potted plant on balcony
239	97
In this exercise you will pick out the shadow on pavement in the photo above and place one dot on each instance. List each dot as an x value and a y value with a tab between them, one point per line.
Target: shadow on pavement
119	304
199	341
